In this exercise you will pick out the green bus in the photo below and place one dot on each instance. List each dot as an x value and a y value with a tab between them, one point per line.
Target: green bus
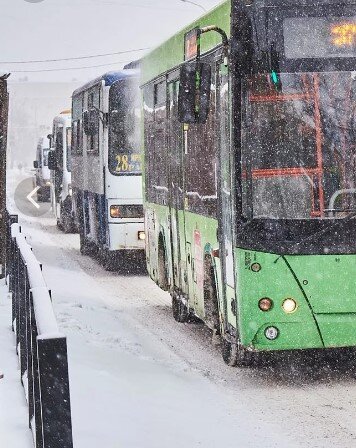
249	129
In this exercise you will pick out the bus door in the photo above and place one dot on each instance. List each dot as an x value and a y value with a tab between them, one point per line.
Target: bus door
176	192
225	221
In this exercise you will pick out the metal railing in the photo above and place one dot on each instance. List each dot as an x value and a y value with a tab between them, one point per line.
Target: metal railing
41	348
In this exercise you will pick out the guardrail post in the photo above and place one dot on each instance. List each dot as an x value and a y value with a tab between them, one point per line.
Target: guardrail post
34	396
54	388
22	318
13	280
12	219
19	272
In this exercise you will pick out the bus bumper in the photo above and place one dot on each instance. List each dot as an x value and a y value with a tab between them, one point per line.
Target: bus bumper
321	287
327	331
126	237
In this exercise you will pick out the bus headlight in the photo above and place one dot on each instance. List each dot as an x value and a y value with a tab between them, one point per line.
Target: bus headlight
141	235
289	306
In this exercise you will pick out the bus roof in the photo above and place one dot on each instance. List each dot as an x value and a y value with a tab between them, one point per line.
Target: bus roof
170	54
109	78
64	119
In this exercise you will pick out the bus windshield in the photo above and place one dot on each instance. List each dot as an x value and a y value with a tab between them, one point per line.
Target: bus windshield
124	129
299	146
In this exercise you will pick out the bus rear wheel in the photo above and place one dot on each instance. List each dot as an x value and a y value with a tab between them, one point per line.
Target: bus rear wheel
235	355
180	309
66	219
84	246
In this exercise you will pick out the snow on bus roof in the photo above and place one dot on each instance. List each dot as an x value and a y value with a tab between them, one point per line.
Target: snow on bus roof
64	118
109	78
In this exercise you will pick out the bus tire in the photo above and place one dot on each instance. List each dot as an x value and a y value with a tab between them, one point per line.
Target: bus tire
162	267
235	355
66	219
211	304
180	309
68	225
108	259
84	247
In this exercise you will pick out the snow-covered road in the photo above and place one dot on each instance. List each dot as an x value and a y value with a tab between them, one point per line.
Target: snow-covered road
141	380
14	432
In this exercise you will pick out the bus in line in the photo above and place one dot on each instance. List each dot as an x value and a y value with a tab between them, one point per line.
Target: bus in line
59	163
42	177
107	174
250	174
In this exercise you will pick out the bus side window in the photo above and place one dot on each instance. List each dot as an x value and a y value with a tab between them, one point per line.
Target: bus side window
201	162
77	146
148	116
74	138
59	148
77	108
93	139
160	171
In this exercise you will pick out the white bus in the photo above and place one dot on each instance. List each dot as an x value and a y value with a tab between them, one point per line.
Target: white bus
42	178
106	163
59	162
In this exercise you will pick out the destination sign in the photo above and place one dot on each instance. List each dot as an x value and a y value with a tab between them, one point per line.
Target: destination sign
319	37
343	34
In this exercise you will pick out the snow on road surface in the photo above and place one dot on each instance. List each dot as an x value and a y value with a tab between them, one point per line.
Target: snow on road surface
139	379
14	432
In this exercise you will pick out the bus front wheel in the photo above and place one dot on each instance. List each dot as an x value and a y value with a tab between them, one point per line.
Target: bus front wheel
162	267
66	219
180	309
84	247
110	260
235	355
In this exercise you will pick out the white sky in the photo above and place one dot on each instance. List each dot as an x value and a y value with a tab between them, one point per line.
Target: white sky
56	29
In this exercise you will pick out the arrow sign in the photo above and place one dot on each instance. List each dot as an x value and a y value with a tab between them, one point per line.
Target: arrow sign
29	197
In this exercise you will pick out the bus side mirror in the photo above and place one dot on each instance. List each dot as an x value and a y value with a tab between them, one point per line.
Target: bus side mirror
50	138
52	164
194	92
35	164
